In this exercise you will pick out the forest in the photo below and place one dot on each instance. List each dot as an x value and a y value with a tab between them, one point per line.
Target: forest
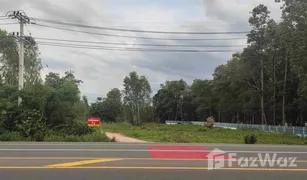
266	83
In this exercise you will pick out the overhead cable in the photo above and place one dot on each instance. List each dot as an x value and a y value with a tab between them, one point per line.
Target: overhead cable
135	30
132	49
117	43
140	37
8	23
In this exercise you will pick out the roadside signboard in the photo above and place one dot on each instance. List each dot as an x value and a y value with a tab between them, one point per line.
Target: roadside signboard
93	121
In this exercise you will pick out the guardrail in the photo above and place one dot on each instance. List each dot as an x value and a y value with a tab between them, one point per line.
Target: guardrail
299	131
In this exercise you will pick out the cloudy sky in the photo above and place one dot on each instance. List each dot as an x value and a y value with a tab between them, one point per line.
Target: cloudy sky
102	69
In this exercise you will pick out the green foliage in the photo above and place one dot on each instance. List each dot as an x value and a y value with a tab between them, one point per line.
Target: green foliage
76	128
12	136
33	125
265	83
154	132
136	93
110	109
250	139
95	136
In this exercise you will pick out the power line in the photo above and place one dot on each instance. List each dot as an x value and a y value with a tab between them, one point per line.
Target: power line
115	43
28	30
135	30
8	23
140	37
147	22
3	18
131	49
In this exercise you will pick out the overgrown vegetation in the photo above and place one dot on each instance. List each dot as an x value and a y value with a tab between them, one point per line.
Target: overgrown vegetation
50	109
250	139
266	83
153	132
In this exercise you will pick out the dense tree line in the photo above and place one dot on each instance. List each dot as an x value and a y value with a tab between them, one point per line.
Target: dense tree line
52	105
266	83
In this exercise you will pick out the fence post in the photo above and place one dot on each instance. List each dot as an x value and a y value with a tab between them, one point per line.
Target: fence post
284	129
304	131
269	128
276	129
293	131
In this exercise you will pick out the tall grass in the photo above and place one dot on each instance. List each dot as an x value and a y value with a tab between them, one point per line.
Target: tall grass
198	134
96	136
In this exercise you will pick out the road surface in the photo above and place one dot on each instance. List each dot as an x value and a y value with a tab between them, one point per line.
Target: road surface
151	161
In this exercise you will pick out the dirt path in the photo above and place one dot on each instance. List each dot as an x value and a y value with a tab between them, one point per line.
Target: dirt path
121	138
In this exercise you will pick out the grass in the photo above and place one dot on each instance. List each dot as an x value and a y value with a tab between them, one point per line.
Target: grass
198	134
96	136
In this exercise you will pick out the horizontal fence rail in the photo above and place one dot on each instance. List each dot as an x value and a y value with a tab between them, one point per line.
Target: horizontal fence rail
299	131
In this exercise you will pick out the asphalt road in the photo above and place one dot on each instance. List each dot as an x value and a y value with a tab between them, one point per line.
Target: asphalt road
74	161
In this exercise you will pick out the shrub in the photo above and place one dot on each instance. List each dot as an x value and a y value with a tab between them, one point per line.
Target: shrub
113	139
210	122
12	136
33	125
96	136
250	139
75	128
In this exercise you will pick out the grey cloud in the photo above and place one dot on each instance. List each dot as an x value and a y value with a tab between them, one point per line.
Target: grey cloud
91	72
190	66
76	11
60	65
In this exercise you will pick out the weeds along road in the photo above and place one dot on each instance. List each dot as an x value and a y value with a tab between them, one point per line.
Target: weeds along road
74	161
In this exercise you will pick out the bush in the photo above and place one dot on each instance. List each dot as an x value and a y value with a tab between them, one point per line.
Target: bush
33	125
96	136
113	139
74	128
12	136
210	122
250	139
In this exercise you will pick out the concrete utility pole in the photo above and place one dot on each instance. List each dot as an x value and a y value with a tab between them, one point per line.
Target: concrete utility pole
23	19
21	62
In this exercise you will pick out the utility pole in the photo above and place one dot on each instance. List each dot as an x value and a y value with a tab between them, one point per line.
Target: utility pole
23	19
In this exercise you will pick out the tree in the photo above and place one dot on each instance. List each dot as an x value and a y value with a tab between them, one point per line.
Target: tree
112	105
65	95
9	55
202	97
136	93
259	21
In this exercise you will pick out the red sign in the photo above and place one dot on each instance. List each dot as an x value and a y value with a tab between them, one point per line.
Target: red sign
93	121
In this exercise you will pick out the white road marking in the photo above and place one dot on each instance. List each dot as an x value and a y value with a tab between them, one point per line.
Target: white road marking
146	150
152	143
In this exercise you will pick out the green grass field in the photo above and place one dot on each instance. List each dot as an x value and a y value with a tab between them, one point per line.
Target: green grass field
198	134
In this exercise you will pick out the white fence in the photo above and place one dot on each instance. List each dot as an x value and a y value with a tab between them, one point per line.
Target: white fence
299	131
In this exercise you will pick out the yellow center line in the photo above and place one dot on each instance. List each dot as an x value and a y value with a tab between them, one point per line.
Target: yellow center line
45	158
153	168
77	163
138	159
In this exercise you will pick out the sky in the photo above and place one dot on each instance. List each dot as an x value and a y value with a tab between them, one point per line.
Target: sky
101	70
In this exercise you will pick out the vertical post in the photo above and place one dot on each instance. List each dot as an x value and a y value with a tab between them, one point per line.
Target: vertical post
138	115
21	61
276	127
303	131
284	129
293	131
